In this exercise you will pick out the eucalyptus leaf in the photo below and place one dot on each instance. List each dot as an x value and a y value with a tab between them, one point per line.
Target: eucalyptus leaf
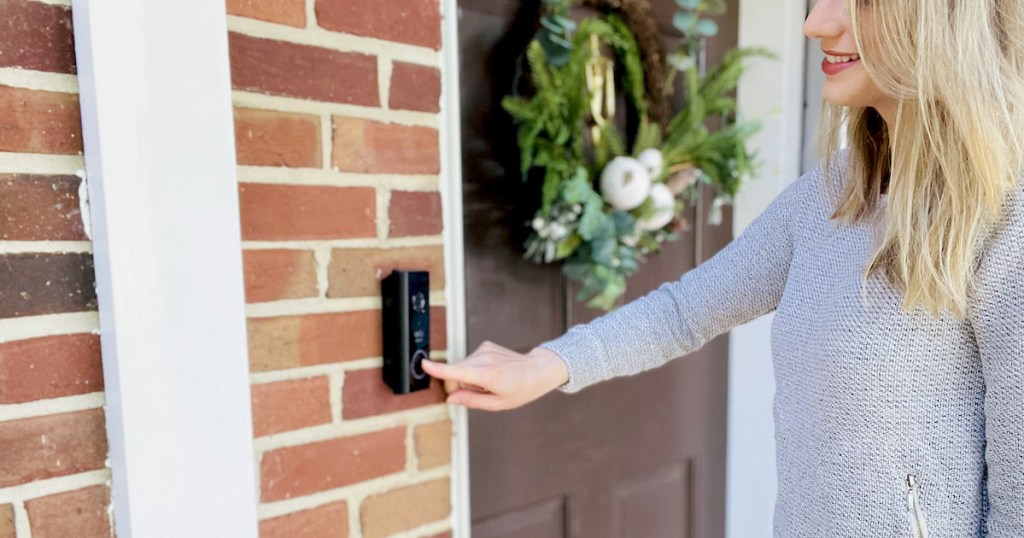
559	57
625	224
551	24
606	231
692	5
604	251
592	219
684	22
629	265
707	28
612	289
566	23
562	42
592	288
576	270
577	190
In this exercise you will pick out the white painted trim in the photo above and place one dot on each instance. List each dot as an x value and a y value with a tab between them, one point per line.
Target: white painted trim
772	91
455	254
159	142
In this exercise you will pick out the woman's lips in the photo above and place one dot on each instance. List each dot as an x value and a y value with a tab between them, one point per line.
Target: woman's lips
834	69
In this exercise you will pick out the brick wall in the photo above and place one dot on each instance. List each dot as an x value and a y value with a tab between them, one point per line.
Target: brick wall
53	447
337	117
337	129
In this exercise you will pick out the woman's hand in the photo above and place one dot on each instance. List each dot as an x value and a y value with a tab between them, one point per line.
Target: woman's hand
495	378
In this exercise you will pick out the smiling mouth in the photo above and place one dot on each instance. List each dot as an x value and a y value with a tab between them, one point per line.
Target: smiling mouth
835	59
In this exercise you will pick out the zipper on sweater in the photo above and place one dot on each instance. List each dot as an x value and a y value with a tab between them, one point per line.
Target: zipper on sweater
917	524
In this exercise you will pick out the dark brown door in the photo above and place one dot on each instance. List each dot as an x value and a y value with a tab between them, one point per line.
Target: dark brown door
642	456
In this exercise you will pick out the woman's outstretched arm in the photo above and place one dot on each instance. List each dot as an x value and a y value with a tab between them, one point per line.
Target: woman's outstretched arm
996	312
741	282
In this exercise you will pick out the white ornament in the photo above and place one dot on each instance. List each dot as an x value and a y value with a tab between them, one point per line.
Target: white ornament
653	161
665	209
715	212
625	183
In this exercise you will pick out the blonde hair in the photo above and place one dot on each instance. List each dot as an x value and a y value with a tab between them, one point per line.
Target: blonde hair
955	148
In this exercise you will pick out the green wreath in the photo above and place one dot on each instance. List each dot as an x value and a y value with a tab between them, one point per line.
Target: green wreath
610	199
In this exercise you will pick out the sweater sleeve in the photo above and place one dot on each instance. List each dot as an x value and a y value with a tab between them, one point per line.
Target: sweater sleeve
741	282
996	313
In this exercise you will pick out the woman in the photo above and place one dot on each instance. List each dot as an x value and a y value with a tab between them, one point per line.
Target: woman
896	271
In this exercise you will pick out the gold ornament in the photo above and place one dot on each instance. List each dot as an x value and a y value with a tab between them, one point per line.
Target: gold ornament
601	84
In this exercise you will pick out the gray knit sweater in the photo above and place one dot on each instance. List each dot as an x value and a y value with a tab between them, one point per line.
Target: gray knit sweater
869	399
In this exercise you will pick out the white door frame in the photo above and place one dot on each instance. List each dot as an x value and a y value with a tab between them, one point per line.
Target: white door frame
455	254
772	92
159	151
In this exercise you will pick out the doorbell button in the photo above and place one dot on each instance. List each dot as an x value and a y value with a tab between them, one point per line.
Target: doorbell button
417	364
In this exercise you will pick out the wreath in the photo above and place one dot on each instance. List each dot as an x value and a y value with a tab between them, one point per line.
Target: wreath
611	196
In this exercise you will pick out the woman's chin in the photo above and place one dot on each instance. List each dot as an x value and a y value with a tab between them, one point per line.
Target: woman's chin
841	98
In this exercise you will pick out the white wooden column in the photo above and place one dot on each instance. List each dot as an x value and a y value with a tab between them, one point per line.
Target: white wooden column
454	254
772	92
159	143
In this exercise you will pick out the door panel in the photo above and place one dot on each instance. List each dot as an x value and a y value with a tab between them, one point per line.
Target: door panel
649	505
642	456
543	520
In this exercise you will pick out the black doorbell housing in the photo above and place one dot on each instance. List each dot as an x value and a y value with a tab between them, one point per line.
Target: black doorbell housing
406	317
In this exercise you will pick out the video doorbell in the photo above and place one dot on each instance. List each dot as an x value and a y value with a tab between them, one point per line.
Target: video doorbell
406	317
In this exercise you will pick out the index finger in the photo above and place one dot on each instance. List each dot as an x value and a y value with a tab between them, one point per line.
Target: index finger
454	372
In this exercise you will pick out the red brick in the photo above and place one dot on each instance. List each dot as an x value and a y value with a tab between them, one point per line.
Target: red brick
433	444
40	208
272	275
414	213
372	147
50	367
305	212
81	513
438	328
290	405
42	283
271	138
38	36
365	394
305	469
405	508
416	22
33	121
289	12
6	521
303	71
357	272
287	342
56	445
415	87
320	522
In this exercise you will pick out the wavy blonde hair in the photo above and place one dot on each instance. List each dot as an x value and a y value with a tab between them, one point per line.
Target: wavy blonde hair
955	149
